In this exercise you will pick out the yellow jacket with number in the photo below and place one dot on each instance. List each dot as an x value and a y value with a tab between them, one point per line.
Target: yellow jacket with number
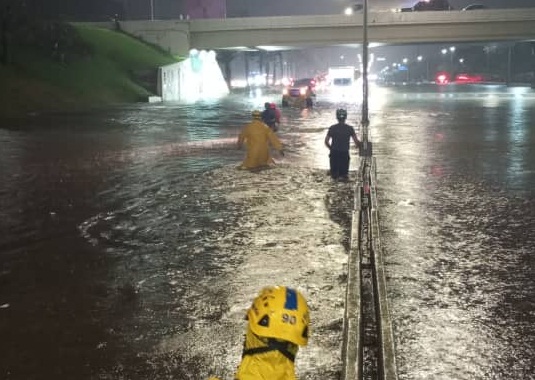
271	365
258	137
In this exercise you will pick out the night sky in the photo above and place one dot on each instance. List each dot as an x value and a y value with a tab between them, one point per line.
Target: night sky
165	9
302	7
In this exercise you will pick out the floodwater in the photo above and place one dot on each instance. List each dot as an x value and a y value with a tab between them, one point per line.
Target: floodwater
456	173
131	245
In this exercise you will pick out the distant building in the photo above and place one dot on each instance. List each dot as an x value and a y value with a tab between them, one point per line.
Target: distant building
147	9
206	8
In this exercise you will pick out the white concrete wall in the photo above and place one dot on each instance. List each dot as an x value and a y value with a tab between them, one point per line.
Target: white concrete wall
197	77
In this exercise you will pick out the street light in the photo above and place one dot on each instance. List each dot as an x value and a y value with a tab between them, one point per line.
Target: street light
461	63
452	50
405	63
420	59
365	118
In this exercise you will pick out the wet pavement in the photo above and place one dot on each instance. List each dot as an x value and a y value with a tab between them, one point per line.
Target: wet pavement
131	245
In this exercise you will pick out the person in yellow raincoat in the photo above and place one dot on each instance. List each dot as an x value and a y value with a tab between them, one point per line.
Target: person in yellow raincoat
258	138
278	323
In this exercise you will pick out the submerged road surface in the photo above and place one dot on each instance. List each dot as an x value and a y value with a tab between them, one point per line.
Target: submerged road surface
131	246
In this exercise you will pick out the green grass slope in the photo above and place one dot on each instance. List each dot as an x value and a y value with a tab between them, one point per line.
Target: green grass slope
37	80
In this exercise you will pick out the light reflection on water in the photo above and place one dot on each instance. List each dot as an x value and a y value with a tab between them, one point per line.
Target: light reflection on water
457	203
188	240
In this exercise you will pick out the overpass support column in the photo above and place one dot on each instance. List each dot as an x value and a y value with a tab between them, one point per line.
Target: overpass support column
225	58
281	64
533	65
510	55
246	67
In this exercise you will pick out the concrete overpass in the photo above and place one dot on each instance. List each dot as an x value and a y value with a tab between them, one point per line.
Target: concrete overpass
291	32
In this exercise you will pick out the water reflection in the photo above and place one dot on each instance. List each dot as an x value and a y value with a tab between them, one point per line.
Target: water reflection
457	242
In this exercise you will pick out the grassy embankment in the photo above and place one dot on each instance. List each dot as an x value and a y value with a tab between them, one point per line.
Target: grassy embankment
107	73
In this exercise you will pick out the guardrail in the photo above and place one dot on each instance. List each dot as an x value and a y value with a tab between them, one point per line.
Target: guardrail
368	349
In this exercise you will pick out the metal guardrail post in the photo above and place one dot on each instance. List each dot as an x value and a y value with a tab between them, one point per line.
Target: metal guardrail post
388	366
352	342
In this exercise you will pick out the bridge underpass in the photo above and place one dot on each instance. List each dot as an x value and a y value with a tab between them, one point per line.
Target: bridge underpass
282	32
266	35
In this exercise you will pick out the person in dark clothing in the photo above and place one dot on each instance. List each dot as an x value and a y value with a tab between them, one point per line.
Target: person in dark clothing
269	117
337	140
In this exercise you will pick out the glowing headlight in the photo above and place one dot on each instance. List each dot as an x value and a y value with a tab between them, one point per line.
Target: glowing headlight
303	90
285	91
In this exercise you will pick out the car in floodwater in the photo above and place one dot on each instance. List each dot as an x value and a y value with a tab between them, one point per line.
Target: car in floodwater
300	93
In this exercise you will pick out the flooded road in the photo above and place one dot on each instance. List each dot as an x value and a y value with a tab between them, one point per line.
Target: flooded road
457	173
131	245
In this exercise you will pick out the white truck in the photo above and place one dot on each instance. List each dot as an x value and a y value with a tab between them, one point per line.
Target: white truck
342	80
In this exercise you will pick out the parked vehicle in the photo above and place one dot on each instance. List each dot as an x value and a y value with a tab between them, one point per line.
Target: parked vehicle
473	7
429	5
354	8
357	7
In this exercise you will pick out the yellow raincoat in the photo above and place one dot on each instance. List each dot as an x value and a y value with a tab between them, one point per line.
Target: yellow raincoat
258	137
269	365
278	323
